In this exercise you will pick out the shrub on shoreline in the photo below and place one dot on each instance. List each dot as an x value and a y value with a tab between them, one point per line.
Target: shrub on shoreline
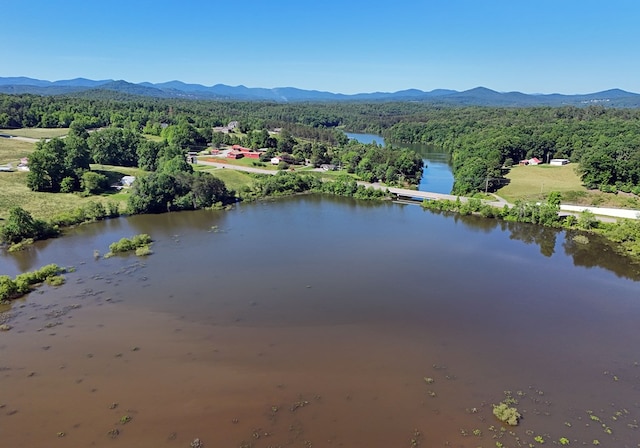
24	283
625	233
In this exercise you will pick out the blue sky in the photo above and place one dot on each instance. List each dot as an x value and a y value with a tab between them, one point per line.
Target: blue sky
531	46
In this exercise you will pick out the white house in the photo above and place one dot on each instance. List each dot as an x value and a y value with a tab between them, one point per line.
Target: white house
127	181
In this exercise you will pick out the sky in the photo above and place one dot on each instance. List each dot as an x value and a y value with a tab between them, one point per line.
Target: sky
346	46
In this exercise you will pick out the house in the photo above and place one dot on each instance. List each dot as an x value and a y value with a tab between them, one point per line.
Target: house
192	157
233	154
226	129
127	181
534	161
328	167
559	162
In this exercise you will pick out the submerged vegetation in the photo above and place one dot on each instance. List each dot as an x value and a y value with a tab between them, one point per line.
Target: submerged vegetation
24	283
507	414
141	244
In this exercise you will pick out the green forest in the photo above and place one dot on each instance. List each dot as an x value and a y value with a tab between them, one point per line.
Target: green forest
482	141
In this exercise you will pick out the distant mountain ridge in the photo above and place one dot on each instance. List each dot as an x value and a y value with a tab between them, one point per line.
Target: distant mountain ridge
479	96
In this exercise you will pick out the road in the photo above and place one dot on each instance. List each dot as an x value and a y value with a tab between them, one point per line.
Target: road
248	169
605	214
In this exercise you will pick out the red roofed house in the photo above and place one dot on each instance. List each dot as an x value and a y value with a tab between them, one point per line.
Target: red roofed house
235	155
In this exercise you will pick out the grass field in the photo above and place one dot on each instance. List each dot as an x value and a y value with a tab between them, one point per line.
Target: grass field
14	192
233	179
36	132
245	161
534	183
11	151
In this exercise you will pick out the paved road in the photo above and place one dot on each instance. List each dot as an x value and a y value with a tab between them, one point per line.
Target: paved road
26	139
248	169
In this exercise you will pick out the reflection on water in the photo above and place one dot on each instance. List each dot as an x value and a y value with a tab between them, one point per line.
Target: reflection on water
320	321
437	176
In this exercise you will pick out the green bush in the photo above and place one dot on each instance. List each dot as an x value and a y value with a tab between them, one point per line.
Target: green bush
143	251
129	244
68	185
20	225
23	283
94	183
507	414
8	288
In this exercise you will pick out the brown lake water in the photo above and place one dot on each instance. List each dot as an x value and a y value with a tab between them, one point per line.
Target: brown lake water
317	322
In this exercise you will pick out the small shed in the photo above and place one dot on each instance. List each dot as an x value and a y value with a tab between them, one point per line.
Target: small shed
534	161
127	181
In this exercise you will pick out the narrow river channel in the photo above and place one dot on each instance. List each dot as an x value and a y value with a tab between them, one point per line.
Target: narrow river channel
437	176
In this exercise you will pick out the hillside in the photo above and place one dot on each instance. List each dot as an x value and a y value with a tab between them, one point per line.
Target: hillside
479	96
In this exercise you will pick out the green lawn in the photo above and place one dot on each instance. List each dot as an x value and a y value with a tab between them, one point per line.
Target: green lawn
36	132
233	179
154	138
245	161
535	182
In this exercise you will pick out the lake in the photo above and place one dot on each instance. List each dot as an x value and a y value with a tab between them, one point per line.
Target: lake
321	321
437	177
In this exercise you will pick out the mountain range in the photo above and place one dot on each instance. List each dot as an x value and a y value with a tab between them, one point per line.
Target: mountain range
480	96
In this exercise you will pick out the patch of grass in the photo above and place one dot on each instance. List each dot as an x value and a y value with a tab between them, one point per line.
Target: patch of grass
153	138
233	179
534	183
14	192
118	170
36	132
11	150
245	161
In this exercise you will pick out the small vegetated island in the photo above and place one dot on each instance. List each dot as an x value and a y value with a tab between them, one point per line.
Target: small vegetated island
158	143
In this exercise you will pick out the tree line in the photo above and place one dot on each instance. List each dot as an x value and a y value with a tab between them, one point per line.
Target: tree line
482	140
